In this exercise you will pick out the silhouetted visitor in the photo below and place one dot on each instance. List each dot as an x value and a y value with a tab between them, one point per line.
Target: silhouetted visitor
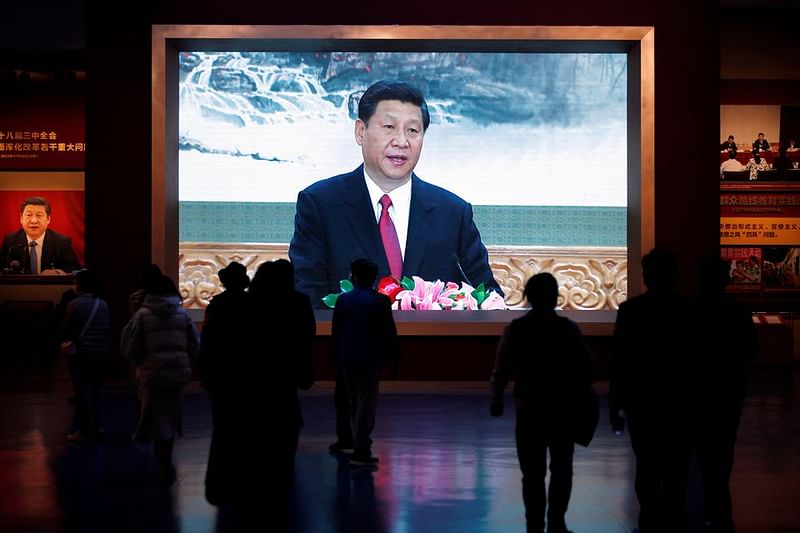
87	343
269	377
552	368
226	351
149	276
364	339
650	369
782	163
728	342
160	339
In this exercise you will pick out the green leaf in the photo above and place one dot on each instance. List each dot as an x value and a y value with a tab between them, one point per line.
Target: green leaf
407	283
330	300
346	285
480	294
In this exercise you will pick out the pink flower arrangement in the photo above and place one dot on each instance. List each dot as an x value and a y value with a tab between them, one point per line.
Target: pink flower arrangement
414	293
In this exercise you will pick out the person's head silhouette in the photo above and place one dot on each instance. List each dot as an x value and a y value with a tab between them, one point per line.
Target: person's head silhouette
363	272
659	269
541	291
234	276
714	274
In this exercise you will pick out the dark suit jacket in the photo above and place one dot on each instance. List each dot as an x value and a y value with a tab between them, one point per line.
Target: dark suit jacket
363	333
761	145
551	365
57	251
335	224
653	365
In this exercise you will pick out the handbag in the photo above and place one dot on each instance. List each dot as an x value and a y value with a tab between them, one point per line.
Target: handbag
586	417
70	348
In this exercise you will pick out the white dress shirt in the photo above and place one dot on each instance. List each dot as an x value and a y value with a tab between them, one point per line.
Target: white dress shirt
398	211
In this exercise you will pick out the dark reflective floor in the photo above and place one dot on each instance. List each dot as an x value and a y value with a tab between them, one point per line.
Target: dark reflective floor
445	465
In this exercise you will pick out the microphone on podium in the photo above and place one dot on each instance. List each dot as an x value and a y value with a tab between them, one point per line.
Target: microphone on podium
457	261
13	266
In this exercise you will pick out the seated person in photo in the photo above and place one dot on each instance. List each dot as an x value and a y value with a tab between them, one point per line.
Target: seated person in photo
730	165
35	249
761	144
755	164
728	145
791	146
384	212
782	163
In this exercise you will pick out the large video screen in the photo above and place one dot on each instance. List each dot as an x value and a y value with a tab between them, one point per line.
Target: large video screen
535	142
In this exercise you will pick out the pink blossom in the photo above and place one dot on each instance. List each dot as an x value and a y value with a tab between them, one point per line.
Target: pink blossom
493	301
440	295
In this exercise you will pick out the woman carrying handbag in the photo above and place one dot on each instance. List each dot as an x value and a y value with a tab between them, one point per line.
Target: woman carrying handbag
87	344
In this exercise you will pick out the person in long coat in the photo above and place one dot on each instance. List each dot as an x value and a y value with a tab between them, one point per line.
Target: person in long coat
226	354
160	340
256	355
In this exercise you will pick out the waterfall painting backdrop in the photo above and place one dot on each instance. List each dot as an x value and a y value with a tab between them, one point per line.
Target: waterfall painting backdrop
535	141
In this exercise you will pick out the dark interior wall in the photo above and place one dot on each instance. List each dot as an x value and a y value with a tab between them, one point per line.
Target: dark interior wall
118	110
46	25
790	122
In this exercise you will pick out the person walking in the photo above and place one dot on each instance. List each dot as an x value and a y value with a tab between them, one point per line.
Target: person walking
160	340
364	338
553	370
87	343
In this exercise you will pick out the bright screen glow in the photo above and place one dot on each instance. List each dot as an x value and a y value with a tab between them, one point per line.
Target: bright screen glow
535	141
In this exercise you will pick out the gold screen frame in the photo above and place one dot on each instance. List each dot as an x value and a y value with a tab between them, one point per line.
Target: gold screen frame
636	41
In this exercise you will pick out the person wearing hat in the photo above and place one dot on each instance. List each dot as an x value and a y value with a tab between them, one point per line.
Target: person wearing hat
225	343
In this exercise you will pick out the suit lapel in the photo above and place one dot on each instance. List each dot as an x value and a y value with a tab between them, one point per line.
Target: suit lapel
361	218
420	225
47	250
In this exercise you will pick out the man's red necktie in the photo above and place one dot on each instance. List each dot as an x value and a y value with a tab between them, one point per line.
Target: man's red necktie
389	237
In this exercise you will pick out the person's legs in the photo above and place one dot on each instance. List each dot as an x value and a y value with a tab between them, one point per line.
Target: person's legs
165	471
341	402
648	475
675	459
81	427
95	411
718	456
364	394
561	452
532	455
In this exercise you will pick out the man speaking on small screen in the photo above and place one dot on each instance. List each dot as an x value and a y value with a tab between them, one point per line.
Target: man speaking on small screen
382	211
34	249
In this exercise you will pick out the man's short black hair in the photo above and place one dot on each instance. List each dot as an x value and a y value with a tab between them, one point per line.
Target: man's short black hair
659	269
542	291
392	90
364	272
730	137
35	200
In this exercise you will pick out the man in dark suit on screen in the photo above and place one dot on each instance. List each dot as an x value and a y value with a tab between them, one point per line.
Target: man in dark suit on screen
35	249
383	211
